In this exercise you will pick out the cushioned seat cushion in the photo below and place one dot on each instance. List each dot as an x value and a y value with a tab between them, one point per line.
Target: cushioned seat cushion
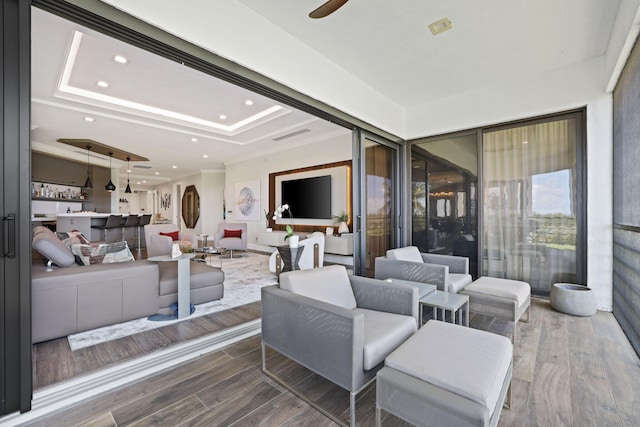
329	284
504	288
201	275
383	332
458	281
468	362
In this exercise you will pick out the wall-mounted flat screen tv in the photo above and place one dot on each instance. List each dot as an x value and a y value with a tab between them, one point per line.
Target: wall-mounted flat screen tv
308	197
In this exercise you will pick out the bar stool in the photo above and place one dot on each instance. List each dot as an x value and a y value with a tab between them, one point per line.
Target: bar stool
130	222
113	221
142	221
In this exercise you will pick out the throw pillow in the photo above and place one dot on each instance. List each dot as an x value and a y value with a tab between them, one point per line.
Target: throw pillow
53	249
104	253
73	237
173	234
233	233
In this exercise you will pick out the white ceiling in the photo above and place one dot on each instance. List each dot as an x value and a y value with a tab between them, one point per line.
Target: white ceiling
153	107
375	59
388	45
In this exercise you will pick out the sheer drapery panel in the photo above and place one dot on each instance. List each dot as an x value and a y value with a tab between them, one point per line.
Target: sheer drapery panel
529	222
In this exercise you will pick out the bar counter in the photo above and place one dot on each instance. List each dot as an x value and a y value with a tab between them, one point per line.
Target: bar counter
82	221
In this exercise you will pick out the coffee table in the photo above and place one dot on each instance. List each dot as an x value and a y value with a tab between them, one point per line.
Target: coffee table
184	280
446	301
206	252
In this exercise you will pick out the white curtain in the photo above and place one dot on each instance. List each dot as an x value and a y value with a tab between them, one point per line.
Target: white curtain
520	186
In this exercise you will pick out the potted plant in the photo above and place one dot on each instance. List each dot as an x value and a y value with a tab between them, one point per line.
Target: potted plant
342	218
293	240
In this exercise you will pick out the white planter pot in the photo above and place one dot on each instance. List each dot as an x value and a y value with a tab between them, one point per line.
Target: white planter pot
343	228
293	241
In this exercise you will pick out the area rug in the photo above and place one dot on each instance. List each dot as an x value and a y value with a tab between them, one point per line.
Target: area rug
243	278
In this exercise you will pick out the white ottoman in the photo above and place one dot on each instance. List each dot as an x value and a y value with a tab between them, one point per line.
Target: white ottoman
496	297
446	375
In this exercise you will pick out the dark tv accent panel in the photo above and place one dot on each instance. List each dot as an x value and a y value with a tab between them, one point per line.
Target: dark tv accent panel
308	197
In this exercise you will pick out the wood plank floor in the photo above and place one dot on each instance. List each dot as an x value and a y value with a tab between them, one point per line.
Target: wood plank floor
53	361
568	371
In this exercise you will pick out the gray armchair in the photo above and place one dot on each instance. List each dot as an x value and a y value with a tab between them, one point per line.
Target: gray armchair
227	237
337	325
449	273
160	244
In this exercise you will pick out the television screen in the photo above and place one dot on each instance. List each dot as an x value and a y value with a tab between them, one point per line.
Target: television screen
308	197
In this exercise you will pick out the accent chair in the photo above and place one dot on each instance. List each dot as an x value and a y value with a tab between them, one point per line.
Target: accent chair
160	244
307	258
231	236
449	273
339	326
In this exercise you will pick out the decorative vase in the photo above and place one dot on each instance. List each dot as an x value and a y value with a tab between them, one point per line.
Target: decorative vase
293	241
175	250
343	228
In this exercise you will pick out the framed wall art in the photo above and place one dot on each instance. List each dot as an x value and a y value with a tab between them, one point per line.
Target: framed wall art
248	201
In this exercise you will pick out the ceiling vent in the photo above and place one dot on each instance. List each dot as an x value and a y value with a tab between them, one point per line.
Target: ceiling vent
292	134
141	167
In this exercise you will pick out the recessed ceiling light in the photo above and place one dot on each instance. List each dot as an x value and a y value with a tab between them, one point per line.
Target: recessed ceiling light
194	139
222	117
174	166
121	59
128	170
89	119
525	142
248	102
440	26
205	155
144	180
102	83
157	173
138	182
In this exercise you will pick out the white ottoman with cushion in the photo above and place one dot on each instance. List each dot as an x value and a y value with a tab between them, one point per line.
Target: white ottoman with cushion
446	375
496	297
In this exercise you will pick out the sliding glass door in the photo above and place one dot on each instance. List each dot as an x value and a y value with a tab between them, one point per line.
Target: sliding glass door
531	209
377	226
444	183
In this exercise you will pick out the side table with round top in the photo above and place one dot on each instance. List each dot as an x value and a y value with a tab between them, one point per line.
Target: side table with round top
184	280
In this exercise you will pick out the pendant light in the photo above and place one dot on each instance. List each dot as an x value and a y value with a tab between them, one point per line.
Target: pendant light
87	184
128	190
110	187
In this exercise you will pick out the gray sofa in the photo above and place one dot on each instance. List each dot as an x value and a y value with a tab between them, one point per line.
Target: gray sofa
72	299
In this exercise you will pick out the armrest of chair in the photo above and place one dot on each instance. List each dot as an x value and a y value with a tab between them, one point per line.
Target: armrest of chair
456	264
325	338
216	237
414	271
384	296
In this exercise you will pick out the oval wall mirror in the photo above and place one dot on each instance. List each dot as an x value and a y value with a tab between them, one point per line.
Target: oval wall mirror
190	206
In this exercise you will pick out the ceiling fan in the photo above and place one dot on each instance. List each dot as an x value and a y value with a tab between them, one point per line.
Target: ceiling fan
327	8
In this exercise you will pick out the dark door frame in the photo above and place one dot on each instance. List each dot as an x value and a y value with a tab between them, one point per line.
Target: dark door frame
15	177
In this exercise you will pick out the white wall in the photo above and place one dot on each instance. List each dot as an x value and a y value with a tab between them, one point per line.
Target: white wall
333	150
210	187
